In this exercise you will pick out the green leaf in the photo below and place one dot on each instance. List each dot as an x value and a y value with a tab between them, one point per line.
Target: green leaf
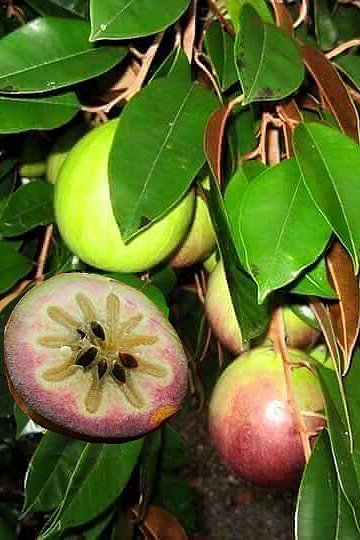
27	66
346	460
124	19
50	471
252	317
167	121
150	290
268	61
100	475
61	8
325	27
350	65
241	134
314	282
234	7
276	216
180	499
24	113
13	265
174	454
27	207
330	164
220	49
322	510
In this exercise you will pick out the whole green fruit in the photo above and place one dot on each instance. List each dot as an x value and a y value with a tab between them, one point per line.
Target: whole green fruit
252	423
85	216
200	240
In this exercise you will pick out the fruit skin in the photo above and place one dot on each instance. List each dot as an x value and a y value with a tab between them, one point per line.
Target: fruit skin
85	217
60	150
200	241
222	318
251	421
59	405
220	311
299	335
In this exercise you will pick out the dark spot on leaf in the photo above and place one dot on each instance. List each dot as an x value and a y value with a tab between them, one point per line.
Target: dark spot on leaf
144	221
266	92
8	88
254	270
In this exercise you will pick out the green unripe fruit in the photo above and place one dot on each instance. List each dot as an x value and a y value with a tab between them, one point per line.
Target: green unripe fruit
200	240
60	150
85	216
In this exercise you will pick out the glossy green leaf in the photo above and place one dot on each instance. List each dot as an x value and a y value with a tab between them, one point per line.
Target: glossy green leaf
350	65
234	194
322	510
174	455
220	49
101	473
124	19
241	134
346	460
27	66
50	471
13	265
234	7
180	499
27	207
149	468
325	27
276	216
167	121
268	61
316	509
314	282
347	21
6	400
330	164
252	317
146	287
61	8
24	113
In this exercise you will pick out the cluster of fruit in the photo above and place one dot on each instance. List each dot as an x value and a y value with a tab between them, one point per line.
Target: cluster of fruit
107	365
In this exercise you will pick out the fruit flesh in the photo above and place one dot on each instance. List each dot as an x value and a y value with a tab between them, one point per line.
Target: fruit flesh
251	421
137	379
85	217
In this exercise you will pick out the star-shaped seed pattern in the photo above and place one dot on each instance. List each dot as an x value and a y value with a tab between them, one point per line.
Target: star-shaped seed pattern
104	349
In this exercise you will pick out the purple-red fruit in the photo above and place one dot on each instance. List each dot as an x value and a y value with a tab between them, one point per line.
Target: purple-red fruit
252	423
93	358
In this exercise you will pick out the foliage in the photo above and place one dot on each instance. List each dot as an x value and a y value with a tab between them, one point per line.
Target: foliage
264	98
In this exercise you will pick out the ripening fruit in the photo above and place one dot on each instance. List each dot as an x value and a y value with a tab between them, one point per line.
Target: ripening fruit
200	241
85	217
222	318
251	421
220	311
93	358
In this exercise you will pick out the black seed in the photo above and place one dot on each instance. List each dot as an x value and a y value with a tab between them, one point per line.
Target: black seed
119	373
81	333
86	357
102	367
97	330
128	360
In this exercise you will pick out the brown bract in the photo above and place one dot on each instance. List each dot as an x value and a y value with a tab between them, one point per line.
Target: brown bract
93	358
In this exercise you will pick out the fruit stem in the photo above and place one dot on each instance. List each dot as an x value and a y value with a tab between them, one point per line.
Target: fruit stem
44	253
277	335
